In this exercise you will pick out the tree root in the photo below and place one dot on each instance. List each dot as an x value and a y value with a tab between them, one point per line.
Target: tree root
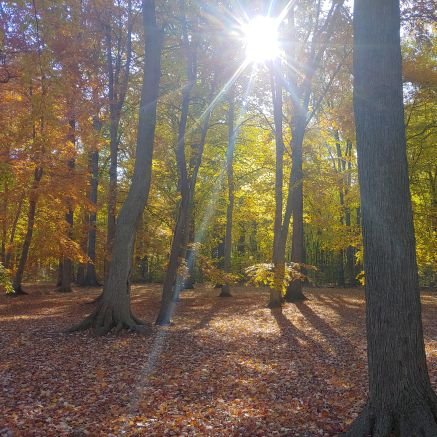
420	420
105	319
95	300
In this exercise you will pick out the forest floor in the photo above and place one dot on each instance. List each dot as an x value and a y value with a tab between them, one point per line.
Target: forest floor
227	367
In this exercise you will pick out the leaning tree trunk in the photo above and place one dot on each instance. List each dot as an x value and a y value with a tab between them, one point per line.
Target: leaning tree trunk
172	286
226	289
401	401
113	309
169	289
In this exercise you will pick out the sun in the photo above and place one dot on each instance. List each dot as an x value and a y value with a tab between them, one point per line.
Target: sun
261	39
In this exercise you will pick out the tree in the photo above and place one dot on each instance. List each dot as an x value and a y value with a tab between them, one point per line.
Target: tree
113	309
118	79
401	401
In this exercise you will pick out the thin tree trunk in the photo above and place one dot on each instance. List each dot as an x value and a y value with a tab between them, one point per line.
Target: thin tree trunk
33	198
226	290
350	250
3	218
341	167
278	255
90	272
67	263
191	252
401	401
12	235
113	310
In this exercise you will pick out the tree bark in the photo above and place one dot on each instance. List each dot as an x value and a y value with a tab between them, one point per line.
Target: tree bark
401	401
113	310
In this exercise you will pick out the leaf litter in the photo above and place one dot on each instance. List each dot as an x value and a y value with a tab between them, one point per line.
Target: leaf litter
226	367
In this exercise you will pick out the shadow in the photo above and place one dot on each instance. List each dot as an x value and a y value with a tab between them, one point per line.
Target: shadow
338	342
248	369
348	311
206	318
291	334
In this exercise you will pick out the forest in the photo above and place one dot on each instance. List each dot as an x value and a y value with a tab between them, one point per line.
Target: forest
218	218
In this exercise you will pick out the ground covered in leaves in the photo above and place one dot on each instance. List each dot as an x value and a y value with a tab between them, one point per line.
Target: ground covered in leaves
227	367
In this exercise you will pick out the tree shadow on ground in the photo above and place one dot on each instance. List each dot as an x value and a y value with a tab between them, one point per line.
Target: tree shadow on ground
338	342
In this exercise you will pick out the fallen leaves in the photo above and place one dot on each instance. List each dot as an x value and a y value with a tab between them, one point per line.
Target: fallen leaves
227	367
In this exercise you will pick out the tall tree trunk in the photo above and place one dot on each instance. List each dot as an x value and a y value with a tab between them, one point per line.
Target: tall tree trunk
300	102
294	290
33	198
350	250
187	183
113	310
341	167
401	401
90	272
169	292
67	263
117	89
278	253
226	290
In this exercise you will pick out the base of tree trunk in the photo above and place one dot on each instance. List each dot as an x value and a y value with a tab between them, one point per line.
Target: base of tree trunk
165	314
226	291
18	291
294	292
275	300
189	284
86	282
418	419
106	318
64	289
